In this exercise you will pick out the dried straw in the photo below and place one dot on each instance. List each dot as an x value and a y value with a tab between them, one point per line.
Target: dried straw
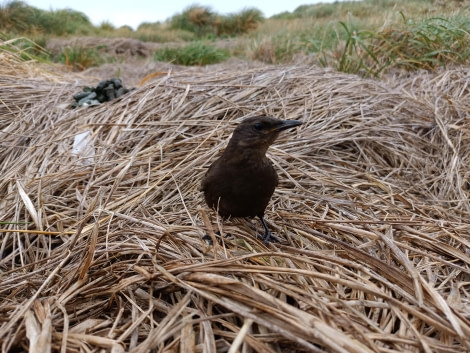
106	251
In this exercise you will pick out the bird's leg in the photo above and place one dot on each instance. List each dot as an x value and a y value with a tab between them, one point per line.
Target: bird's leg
267	234
208	238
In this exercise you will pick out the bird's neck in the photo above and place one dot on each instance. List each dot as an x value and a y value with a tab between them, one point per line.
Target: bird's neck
245	153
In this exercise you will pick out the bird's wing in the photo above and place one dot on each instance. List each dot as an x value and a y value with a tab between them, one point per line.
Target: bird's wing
206	178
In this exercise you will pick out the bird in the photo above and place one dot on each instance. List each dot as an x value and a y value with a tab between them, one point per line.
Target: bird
242	181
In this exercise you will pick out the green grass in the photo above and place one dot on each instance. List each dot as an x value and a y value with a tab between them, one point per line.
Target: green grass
205	23
367	46
195	53
18	18
369	10
80	58
26	48
410	44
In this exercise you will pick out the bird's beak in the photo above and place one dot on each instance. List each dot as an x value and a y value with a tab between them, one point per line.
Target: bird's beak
287	124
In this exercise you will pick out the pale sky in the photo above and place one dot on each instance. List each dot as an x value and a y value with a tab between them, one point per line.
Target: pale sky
134	12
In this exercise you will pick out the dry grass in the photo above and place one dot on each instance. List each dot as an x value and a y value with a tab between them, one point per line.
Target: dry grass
373	211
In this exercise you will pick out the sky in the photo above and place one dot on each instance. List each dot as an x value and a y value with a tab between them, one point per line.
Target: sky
134	12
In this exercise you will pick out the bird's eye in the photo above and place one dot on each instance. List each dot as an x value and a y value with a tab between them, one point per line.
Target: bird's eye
258	126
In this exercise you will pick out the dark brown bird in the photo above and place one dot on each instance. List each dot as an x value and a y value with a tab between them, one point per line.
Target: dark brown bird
241	182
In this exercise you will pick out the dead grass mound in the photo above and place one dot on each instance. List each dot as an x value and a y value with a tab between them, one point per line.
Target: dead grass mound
105	249
123	47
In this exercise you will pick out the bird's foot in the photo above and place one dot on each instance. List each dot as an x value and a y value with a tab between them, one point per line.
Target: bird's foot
269	237
267	233
208	238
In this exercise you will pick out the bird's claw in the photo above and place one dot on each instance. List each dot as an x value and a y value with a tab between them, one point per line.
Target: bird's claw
269	237
208	238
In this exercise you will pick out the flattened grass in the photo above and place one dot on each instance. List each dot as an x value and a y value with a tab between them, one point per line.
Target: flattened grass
372	209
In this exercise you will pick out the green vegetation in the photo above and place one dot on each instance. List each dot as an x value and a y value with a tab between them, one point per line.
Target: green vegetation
195	53
161	33
26	49
426	44
365	37
368	37
203	22
370	10
17	18
80	58
196	19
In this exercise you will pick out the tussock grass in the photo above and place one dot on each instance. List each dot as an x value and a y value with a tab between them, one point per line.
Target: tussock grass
373	209
204	22
424	44
17	17
350	44
196	53
80	58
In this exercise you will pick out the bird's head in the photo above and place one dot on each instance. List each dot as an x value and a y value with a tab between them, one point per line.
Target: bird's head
259	132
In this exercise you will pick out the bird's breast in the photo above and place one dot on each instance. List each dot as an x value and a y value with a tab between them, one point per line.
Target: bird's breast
240	189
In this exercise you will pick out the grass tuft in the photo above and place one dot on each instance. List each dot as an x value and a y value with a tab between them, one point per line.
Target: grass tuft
80	58
409	44
196	53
